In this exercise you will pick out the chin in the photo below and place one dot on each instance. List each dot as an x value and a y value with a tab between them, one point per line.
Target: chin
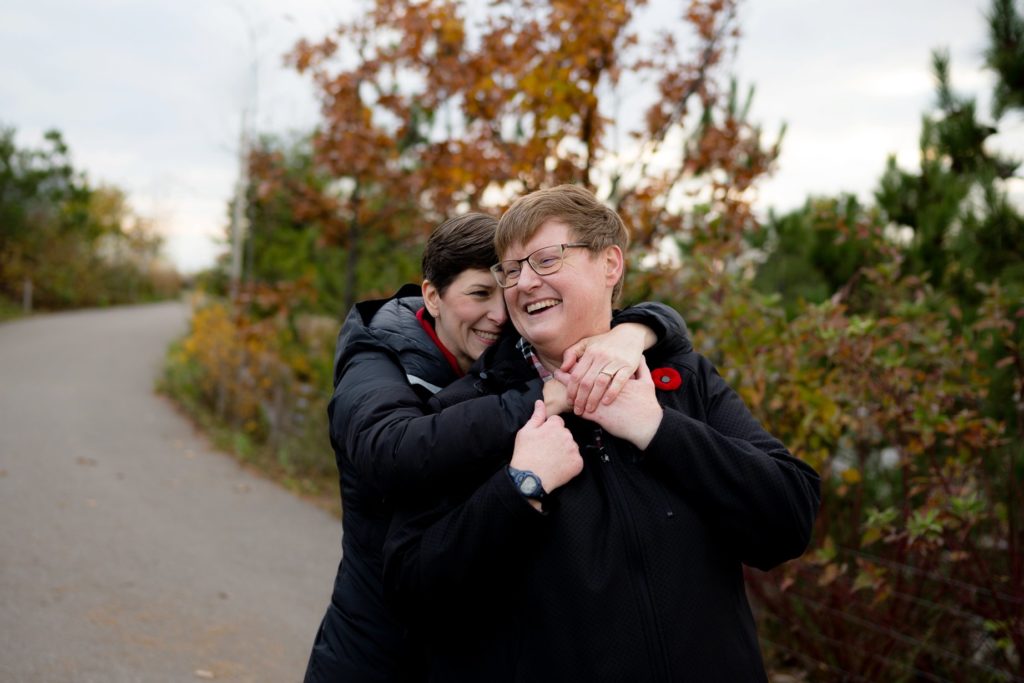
536	330
541	342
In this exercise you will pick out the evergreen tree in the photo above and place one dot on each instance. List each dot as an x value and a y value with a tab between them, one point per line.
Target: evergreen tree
1005	55
965	230
819	250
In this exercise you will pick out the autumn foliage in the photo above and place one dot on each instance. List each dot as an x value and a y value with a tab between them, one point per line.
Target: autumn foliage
256	371
431	108
895	375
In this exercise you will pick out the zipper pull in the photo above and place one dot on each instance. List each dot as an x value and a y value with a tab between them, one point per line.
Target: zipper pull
599	444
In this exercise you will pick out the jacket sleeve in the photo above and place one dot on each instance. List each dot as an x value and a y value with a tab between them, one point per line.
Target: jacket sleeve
462	545
744	479
664	321
395	442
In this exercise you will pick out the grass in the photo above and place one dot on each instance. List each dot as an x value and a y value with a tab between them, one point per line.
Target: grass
320	486
10	311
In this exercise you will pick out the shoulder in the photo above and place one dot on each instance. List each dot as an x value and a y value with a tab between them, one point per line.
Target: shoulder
389	327
665	321
397	315
360	327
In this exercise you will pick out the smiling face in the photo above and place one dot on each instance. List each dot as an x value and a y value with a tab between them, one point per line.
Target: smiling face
469	314
554	311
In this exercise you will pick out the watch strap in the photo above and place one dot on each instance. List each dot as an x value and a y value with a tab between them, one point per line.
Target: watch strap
527	483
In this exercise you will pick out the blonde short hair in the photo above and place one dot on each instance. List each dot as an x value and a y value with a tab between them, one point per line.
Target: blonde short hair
591	221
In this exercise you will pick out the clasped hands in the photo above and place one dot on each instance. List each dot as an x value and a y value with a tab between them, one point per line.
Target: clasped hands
605	379
632	413
621	399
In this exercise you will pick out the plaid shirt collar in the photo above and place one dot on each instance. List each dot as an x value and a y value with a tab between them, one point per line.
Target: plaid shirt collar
529	354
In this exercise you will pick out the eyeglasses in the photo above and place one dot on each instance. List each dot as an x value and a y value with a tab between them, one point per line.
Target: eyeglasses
544	261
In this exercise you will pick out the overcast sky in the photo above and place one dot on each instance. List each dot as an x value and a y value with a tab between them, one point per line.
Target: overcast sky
149	94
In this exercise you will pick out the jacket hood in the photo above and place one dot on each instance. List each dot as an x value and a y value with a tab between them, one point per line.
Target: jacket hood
390	325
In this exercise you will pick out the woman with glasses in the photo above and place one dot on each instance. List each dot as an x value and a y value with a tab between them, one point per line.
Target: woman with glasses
616	552
393	442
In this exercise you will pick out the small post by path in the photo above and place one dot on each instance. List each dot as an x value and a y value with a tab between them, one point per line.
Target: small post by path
26	295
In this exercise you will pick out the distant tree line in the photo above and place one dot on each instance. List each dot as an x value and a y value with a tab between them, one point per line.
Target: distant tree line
67	243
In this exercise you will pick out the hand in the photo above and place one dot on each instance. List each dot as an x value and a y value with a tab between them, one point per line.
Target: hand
556	400
545	447
635	415
599	366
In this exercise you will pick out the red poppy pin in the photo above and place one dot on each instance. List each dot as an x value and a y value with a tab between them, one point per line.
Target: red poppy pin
666	378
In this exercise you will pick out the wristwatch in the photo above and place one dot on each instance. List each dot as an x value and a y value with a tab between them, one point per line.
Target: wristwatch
527	483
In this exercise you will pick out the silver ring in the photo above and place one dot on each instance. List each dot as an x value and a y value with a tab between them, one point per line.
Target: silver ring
605	372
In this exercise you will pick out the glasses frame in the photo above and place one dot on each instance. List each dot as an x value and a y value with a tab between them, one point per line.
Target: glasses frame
529	259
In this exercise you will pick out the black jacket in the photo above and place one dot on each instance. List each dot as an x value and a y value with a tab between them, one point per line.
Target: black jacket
389	444
634	572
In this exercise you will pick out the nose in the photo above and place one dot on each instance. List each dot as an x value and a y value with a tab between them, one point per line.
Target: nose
496	312
528	279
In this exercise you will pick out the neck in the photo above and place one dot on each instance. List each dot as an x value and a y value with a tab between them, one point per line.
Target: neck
426	323
552	358
552	363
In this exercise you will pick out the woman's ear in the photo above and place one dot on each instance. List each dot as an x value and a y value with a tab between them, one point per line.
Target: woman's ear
614	264
431	298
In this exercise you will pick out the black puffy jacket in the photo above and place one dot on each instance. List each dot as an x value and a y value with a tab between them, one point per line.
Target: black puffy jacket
634	571
389	445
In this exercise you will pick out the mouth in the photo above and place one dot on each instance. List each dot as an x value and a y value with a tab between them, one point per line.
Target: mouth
485	337
541	306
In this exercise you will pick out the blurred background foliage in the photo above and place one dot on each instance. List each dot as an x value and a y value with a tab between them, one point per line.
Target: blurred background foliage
880	340
65	243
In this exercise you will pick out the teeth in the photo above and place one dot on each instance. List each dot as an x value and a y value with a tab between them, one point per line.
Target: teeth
537	305
489	336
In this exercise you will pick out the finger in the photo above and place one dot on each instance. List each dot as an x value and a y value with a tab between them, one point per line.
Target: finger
579	379
556	421
562	376
643	373
598	373
592	389
573	354
615	387
539	414
601	388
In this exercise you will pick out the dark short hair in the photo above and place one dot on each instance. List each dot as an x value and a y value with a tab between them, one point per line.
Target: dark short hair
459	244
591	221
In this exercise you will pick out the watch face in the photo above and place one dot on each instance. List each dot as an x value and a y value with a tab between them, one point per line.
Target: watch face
529	485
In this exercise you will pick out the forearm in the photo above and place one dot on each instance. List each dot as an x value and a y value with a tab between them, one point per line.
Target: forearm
663	321
447	551
397	444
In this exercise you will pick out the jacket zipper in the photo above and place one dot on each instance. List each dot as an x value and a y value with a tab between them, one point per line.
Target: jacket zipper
655	645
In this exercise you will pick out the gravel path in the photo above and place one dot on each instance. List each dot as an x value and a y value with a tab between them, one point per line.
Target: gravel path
130	550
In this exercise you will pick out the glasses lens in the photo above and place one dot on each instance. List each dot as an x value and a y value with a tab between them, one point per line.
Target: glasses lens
507	272
546	260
